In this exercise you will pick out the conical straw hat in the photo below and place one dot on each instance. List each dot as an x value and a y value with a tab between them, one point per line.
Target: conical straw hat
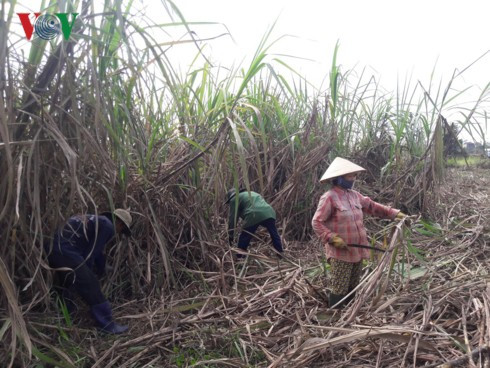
125	217
340	166
122	215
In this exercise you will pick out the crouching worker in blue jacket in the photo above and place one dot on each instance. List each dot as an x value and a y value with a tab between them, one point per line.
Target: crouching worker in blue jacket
252	208
79	246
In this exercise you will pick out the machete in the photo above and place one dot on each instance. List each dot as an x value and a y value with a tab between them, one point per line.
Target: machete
366	247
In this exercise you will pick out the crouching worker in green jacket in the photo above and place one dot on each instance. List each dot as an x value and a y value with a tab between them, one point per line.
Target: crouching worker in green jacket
255	212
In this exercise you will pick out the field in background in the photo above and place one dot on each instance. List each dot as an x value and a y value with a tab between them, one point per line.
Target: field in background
469	161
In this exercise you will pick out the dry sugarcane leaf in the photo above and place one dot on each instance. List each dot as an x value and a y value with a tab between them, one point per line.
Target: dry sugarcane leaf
18	324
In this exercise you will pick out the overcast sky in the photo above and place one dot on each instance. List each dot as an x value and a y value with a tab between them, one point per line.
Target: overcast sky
391	37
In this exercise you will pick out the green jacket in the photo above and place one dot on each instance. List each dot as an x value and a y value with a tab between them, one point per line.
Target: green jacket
252	209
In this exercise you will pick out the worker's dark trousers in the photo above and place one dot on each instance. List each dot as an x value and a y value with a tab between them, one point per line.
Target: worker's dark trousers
82	279
247	233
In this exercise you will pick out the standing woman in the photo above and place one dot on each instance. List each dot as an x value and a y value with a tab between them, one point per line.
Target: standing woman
338	222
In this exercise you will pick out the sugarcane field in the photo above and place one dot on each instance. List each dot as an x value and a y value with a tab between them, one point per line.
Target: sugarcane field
164	205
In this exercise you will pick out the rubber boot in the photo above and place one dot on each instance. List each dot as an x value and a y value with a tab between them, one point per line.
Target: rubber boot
334	299
350	297
102	314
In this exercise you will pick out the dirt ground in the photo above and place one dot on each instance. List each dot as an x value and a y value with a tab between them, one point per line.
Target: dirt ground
433	307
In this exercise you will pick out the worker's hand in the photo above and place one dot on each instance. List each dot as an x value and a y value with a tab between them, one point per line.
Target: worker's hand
338	242
231	236
100	272
400	216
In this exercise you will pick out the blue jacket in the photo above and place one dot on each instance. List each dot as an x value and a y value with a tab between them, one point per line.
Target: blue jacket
83	238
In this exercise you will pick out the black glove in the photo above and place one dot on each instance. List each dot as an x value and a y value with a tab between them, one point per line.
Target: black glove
100	272
231	236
